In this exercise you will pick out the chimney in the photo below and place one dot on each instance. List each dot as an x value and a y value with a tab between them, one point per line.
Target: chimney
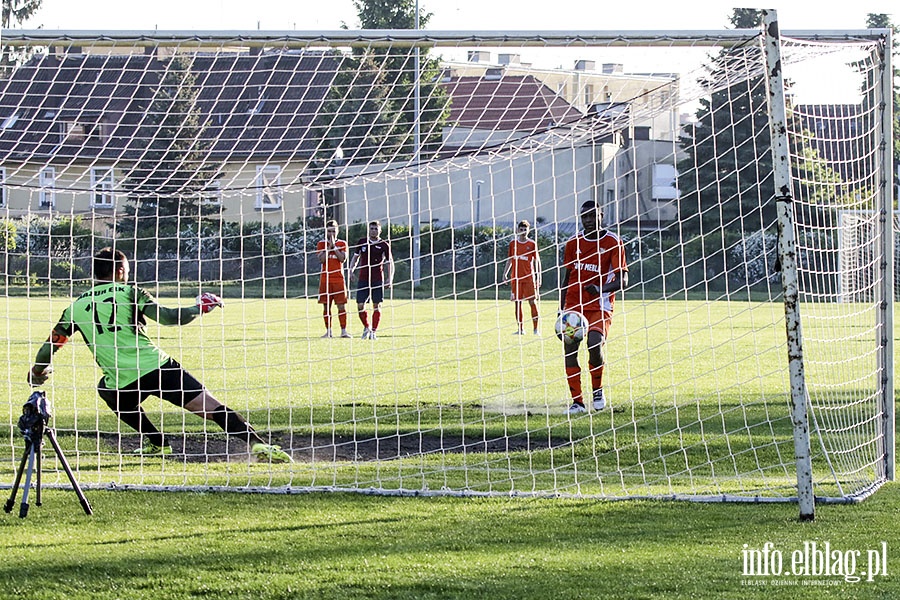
612	68
585	65
509	59
479	56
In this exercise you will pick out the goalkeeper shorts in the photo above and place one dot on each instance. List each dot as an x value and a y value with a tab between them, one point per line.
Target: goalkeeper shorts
169	382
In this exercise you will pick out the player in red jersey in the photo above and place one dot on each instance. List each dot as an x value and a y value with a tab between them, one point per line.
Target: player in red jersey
523	273
376	270
594	270
332	253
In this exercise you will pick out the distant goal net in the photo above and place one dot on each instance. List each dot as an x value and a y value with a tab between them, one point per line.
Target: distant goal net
214	161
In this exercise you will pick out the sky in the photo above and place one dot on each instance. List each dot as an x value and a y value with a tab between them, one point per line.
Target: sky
467	15
447	14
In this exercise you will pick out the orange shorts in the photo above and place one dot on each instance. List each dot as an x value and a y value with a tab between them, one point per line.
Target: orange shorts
522	289
332	290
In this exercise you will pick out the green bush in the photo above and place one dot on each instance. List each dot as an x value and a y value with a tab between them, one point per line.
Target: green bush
8	232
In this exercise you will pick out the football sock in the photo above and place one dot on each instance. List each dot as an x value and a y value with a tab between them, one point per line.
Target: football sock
596	376
519	314
534	316
364	318
137	420
376	319
234	424
573	377
327	318
155	438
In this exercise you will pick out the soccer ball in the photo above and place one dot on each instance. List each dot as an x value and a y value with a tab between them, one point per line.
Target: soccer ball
571	326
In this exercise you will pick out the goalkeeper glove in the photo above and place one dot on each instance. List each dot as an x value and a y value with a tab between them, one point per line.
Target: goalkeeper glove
208	301
38	377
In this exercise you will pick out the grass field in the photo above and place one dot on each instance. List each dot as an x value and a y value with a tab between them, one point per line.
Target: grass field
262	547
447	399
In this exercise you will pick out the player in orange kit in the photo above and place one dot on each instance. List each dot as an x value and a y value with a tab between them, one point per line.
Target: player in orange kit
595	269
332	253
523	272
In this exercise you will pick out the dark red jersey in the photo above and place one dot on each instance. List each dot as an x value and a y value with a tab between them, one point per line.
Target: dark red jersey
373	255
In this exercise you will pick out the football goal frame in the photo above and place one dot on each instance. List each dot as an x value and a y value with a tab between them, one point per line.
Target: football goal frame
215	159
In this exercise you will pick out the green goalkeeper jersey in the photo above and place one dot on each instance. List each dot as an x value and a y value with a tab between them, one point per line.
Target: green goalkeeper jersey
110	318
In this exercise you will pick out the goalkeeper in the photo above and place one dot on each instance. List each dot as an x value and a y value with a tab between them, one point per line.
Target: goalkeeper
111	318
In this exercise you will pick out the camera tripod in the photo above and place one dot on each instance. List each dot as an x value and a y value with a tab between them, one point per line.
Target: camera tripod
33	425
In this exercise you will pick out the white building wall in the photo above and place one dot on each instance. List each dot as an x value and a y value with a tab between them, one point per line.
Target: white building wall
545	187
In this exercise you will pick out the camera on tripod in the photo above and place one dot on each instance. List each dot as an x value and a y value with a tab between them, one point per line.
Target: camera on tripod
35	426
35	415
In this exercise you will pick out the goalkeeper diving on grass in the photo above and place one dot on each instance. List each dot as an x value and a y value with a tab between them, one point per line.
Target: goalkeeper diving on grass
111	318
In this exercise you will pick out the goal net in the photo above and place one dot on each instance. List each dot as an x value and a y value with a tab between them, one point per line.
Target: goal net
215	161
858	253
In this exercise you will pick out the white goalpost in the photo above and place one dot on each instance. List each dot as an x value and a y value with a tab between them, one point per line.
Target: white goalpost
750	358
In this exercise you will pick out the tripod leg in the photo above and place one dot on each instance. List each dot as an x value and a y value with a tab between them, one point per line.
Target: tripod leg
37	472
15	488
62	459
23	508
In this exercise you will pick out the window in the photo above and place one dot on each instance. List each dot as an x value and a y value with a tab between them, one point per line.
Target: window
665	182
258	108
47	181
314	203
3	192
102	184
9	121
589	94
212	193
72	131
269	194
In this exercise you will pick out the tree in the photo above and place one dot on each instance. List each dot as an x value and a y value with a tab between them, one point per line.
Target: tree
171	174
19	11
728	152
369	112
882	21
728	147
15	12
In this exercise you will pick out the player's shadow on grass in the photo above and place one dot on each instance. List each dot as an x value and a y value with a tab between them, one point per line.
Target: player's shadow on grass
328	447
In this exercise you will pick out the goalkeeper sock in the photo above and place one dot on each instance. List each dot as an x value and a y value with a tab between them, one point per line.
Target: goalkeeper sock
364	318
573	377
137	420
376	319
234	424
155	438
